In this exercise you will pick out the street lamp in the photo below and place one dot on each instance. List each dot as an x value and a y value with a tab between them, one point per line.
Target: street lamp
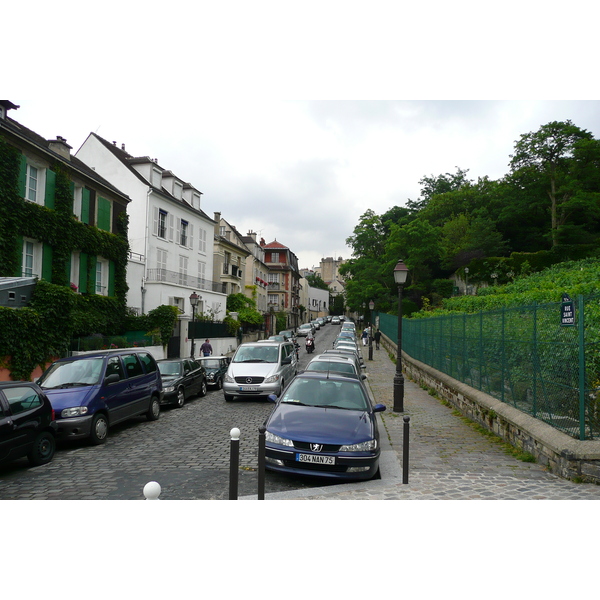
371	307
466	280
194	299
400	275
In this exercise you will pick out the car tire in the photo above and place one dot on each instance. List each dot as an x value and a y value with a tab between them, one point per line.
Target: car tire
99	429
202	391
180	398
228	397
154	410
42	450
219	384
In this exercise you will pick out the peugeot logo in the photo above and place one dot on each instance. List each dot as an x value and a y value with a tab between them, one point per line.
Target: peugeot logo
316	447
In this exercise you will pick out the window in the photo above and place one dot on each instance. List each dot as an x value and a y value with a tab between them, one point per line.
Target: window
226	262
201	273
202	236
161	264
133	368
177	190
183	269
21	399
273	299
114	367
179	303
274	256
77	201
162	224
148	361
183	233
101	281
273	278
156	177
31	184
32	258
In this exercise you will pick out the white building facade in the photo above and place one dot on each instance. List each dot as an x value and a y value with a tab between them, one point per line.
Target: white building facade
170	237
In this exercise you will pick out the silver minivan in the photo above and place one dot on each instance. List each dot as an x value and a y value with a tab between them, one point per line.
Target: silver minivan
260	369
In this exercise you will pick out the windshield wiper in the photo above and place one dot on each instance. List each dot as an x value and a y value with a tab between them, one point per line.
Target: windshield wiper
252	360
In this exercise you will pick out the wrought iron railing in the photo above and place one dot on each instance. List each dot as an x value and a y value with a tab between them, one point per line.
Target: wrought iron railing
173	277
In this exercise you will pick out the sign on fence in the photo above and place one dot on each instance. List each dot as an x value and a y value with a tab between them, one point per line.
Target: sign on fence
567	312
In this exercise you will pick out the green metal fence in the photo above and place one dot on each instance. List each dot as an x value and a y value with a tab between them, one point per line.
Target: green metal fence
524	356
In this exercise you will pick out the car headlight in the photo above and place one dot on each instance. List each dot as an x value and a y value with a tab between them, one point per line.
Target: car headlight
228	379
271	379
367	446
275	439
76	411
169	389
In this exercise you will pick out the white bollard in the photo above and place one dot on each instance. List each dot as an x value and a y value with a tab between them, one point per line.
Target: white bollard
235	433
152	490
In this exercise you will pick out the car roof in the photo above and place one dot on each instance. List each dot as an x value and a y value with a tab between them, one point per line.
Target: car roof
210	357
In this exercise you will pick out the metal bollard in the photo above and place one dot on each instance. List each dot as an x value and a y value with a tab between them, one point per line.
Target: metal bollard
261	462
152	490
234	463
405	449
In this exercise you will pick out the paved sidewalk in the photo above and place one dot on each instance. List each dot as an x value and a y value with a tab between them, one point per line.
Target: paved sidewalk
448	459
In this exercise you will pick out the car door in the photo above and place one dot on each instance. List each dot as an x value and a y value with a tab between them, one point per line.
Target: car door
139	391
24	417
195	374
117	395
7	430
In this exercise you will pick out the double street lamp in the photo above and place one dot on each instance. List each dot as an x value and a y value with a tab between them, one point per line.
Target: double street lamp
400	275
194	300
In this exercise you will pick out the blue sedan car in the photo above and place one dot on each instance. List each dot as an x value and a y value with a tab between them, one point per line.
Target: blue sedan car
324	425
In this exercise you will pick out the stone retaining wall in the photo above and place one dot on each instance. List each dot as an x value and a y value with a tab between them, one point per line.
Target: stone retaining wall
561	454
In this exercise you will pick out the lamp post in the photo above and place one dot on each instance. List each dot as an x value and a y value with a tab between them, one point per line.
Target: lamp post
466	280
371	307
194	299
400	275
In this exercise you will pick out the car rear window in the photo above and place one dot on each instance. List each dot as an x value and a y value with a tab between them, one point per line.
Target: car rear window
133	367
21	399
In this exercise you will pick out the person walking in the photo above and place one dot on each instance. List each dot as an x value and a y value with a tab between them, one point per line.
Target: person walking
206	348
365	336
377	337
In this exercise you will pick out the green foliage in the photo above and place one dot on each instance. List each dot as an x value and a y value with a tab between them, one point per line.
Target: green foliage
163	319
315	281
248	315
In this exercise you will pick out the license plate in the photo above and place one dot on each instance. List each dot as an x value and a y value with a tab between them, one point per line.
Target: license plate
247	388
316	458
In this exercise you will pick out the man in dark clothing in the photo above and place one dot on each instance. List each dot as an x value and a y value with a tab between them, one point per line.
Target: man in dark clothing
206	348
377	338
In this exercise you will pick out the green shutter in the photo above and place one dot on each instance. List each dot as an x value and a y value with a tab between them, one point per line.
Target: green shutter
83	273
22	176
103	214
92	260
50	188
111	278
47	262
68	268
19	267
85	206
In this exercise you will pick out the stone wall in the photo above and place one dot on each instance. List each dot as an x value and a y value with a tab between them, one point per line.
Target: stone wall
561	454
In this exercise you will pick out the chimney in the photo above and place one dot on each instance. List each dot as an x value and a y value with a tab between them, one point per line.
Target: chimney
123	147
252	234
60	146
217	219
5	106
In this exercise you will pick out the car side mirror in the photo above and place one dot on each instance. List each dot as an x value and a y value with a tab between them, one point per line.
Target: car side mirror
272	398
363	376
287	360
112	379
379	408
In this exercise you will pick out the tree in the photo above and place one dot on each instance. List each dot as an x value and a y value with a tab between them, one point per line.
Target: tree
315	281
245	308
549	153
431	186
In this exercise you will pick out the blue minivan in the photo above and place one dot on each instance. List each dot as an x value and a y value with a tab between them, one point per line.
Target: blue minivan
91	392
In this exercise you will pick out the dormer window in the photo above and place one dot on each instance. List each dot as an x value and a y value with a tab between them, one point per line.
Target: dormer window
156	177
177	190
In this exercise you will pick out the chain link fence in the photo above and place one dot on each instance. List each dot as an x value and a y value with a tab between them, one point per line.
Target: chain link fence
525	356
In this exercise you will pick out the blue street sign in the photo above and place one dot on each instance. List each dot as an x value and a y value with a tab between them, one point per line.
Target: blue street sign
567	312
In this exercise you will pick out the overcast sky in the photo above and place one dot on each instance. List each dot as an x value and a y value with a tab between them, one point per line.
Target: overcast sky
289	123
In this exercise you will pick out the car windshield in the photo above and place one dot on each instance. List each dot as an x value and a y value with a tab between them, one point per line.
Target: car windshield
210	363
324	393
331	365
73	373
169	368
268	354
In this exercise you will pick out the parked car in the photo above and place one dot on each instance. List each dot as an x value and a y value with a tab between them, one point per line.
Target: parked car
348	354
335	320
343	365
215	367
259	369
182	378
316	324
289	334
304	329
324	425
91	392
27	423
276	338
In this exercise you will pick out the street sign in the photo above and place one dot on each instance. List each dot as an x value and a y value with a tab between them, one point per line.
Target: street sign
567	312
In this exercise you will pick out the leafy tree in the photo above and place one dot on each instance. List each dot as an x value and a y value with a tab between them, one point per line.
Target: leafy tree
549	153
246	309
432	186
316	282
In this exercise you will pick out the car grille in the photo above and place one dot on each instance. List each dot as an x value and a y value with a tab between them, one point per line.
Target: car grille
326	447
315	467
249	380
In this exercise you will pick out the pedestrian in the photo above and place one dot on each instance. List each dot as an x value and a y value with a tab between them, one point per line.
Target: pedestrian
365	336
377	338
206	348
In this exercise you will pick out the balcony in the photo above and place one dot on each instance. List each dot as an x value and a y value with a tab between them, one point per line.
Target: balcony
182	279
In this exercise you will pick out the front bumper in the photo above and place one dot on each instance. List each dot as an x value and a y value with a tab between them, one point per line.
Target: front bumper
348	465
74	428
252	390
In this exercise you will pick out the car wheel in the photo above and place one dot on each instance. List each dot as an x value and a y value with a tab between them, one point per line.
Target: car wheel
154	410
43	449
228	397
180	398
99	430
203	388
219	384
